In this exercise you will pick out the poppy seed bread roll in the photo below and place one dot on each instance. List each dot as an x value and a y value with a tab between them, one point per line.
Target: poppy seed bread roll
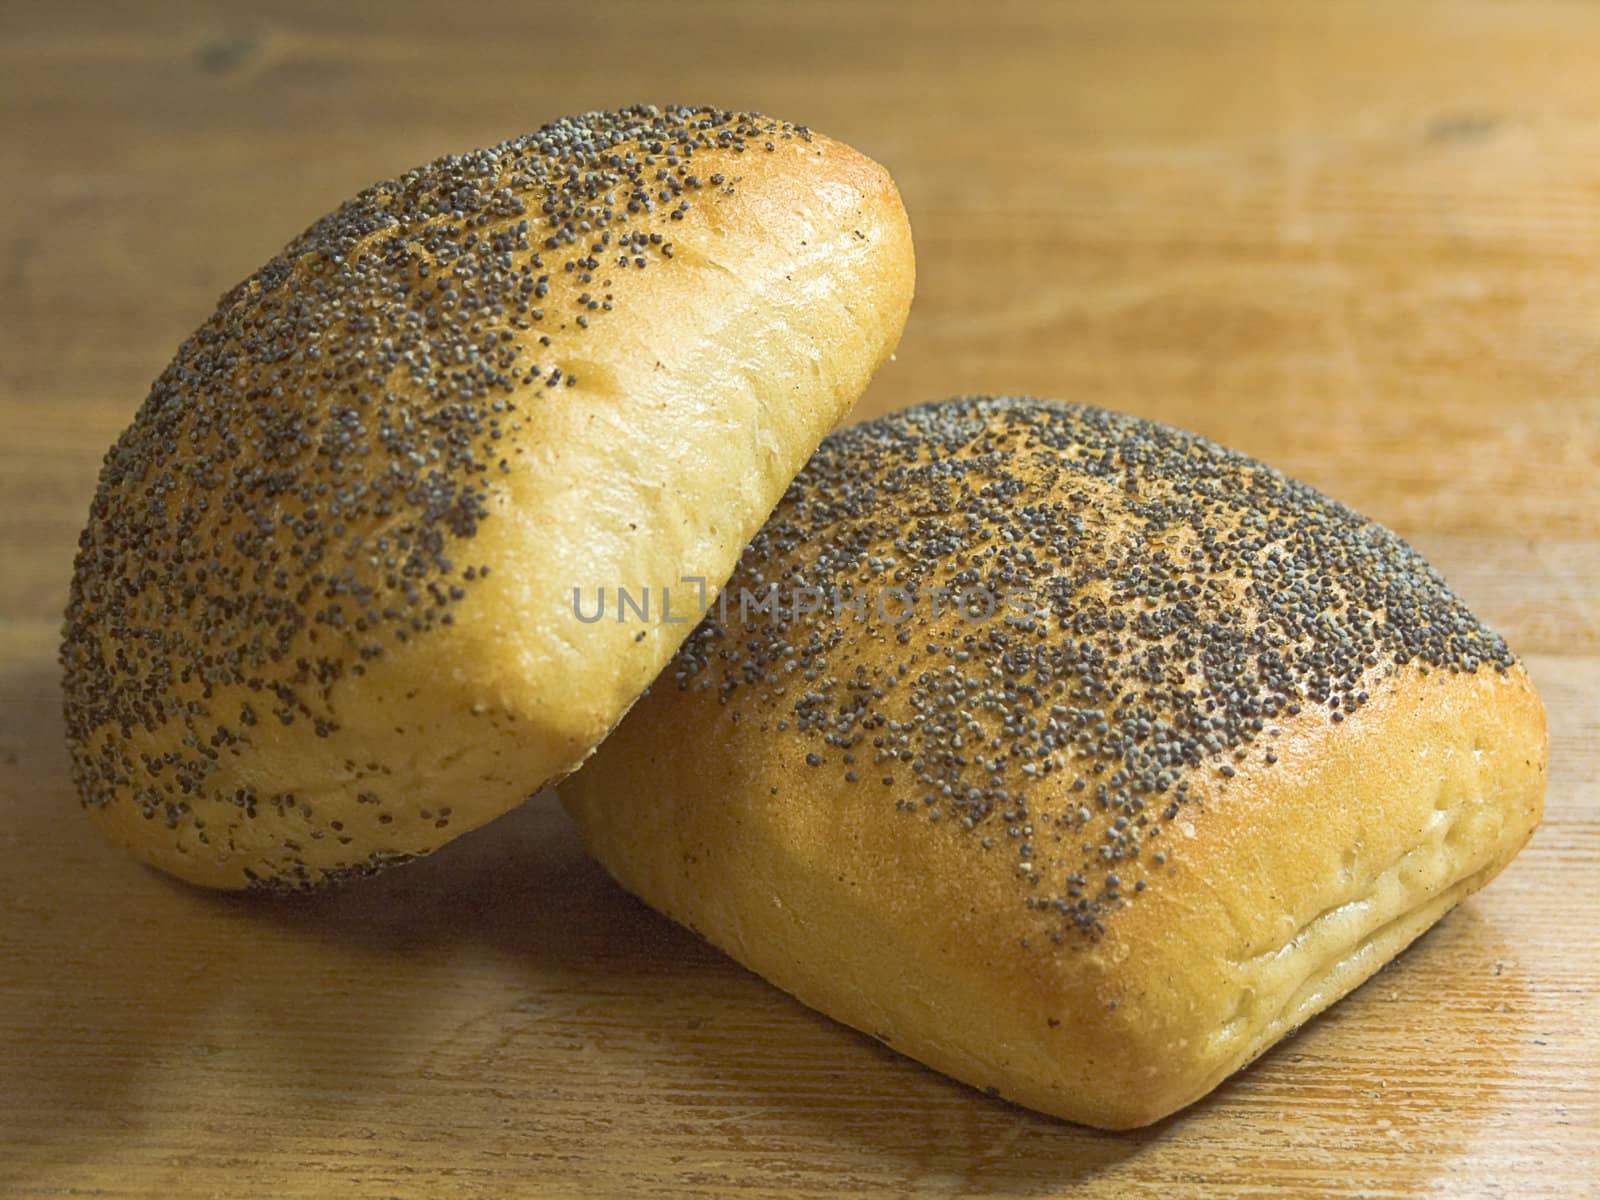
322	616
1073	755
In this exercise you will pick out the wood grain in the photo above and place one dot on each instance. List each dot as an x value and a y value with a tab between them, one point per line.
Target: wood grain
1361	241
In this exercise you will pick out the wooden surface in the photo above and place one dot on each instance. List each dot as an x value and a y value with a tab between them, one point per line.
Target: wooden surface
1359	241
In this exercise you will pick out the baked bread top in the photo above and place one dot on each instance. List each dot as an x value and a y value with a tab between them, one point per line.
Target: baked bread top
1070	603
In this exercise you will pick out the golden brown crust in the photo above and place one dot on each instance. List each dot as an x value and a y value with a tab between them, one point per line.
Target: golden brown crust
1400	766
323	616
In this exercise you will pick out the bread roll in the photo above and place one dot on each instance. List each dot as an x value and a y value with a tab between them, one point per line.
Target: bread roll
323	613
1220	750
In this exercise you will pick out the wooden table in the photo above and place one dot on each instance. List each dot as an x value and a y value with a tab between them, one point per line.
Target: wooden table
1359	241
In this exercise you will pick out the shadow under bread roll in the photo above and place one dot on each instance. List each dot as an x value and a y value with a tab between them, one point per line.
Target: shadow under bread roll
322	614
1076	756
